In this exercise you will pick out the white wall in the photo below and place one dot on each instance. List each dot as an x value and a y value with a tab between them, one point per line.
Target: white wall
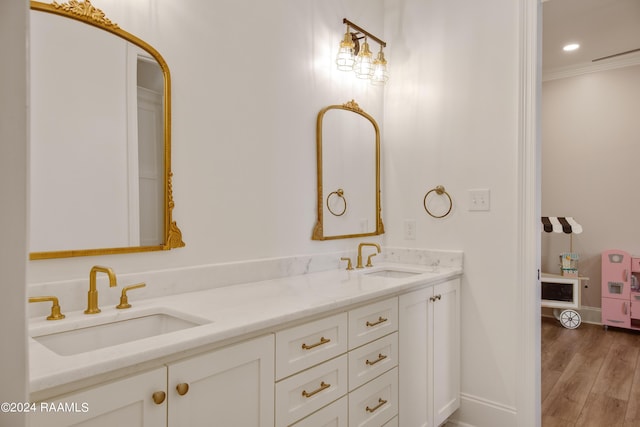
590	147
248	80
244	145
451	116
13	181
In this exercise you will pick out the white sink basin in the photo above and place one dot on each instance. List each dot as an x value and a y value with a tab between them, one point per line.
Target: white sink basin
393	273
83	339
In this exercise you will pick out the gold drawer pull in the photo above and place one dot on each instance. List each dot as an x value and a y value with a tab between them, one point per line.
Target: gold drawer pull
158	397
323	386
323	340
380	358
182	388
381	402
380	320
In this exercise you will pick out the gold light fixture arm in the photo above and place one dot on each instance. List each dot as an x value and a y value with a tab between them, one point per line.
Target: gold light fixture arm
363	31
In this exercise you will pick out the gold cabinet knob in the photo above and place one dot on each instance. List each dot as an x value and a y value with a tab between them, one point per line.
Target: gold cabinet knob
158	397
182	388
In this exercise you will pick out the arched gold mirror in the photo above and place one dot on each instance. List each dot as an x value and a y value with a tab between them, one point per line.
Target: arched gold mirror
100	166
348	156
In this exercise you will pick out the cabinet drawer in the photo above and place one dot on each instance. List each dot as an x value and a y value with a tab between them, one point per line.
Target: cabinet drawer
372	322
376	402
306	345
392	423
334	415
308	391
373	359
635	264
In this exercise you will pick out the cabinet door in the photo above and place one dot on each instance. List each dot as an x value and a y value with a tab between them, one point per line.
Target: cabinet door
126	402
232	386
415	358
446	350
616	312
616	274
429	354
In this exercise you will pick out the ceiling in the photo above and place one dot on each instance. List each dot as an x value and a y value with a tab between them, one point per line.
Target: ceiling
601	27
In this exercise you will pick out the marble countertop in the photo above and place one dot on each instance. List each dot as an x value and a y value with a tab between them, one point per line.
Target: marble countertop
225	313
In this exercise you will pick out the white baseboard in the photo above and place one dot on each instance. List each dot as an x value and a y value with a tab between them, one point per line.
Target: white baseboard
478	412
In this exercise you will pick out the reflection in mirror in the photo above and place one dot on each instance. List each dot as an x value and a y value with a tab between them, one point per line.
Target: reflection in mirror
348	156
100	138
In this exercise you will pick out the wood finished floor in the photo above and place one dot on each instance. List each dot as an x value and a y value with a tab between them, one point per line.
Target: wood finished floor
590	377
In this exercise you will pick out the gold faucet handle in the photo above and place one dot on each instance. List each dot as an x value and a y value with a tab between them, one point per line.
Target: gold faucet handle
124	300
55	308
369	260
349	265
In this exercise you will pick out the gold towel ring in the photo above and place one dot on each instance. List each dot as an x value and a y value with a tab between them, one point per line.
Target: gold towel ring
440	191
340	193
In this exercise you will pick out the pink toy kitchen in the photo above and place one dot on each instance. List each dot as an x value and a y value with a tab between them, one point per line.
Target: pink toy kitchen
620	289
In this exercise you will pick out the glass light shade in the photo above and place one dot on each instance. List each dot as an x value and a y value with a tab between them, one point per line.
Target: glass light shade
380	70
363	66
345	58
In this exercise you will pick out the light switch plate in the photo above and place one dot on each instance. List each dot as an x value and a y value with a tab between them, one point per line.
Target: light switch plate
410	229
479	200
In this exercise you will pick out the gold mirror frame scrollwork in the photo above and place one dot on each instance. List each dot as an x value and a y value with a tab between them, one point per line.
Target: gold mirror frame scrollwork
318	230
84	11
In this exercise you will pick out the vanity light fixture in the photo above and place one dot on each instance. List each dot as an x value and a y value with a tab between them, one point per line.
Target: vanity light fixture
359	59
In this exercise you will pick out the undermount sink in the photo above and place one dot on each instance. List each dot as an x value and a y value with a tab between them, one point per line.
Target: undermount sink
84	339
393	273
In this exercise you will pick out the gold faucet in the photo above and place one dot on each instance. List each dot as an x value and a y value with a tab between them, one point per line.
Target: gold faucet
92	305
377	246
124	298
55	308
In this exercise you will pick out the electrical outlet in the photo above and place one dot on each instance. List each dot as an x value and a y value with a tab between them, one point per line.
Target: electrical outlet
479	200
410	229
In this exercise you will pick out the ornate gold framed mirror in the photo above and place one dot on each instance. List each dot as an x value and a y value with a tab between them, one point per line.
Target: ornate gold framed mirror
100	165
348	164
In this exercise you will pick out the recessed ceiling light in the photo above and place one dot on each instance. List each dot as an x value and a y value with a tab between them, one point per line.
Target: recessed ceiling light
571	47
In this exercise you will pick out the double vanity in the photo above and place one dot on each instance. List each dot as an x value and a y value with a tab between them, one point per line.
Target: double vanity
365	346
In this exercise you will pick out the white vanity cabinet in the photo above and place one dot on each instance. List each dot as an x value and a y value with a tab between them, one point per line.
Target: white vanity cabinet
340	370
231	386
382	362
125	402
429	349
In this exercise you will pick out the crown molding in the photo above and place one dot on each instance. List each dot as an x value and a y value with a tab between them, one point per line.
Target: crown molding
561	73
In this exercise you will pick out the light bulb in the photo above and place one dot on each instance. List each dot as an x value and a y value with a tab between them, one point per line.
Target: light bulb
363	66
380	70
345	58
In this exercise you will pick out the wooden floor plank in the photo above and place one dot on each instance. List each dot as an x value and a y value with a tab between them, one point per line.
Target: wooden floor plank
601	411
590	376
616	376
